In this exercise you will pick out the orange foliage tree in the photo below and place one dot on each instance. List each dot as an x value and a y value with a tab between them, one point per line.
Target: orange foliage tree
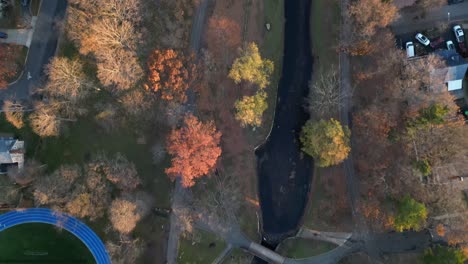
223	33
170	74
194	148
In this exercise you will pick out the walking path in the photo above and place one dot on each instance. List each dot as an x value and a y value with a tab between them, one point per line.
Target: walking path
177	195
67	222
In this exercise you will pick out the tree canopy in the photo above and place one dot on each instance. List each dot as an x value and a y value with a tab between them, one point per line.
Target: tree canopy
443	255
250	66
249	109
371	14
171	74
410	214
326	141
194	148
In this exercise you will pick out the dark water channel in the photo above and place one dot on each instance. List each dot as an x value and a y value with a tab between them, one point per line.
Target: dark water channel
284	172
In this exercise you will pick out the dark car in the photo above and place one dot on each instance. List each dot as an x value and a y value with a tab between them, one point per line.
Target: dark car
3	35
451	2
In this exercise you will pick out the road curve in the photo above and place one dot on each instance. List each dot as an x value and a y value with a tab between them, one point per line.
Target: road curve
67	222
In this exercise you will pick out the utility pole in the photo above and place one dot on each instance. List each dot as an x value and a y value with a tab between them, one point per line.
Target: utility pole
448	17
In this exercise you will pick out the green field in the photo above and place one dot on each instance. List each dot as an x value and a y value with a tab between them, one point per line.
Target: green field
303	248
41	243
204	248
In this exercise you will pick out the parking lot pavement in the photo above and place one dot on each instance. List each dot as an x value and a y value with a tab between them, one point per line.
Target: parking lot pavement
446	35
20	36
411	21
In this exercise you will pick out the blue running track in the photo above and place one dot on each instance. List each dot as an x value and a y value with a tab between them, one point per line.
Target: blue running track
67	222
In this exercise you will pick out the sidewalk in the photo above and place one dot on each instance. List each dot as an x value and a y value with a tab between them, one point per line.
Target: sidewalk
20	36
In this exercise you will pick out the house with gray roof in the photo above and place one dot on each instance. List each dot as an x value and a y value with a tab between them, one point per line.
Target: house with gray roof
454	75
11	153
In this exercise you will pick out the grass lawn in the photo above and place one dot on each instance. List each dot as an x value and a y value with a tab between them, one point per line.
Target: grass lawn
35	5
325	33
272	49
302	248
317	194
237	256
203	249
41	243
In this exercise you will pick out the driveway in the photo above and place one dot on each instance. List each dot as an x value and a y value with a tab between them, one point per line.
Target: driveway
21	36
42	48
411	20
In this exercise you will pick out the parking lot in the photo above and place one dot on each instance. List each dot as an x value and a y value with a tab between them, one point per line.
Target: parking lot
439	34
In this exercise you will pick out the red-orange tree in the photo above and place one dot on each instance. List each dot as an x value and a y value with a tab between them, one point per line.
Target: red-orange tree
8	65
223	34
195	150
170	74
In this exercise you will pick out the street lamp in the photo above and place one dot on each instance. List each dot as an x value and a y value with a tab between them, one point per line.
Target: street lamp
448	17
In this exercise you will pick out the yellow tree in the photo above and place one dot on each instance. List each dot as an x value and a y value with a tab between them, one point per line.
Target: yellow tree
249	109
250	66
326	141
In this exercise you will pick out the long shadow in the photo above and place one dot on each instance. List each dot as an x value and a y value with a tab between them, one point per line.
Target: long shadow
284	172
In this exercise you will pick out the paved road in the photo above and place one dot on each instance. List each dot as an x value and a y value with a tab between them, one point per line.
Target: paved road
43	46
69	223
411	21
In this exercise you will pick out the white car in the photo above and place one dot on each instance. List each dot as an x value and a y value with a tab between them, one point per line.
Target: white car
409	49
423	39
459	34
450	45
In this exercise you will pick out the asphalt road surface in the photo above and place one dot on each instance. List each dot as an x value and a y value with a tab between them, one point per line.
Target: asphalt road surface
42	49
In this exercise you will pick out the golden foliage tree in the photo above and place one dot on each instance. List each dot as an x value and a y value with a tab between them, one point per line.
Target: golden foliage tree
249	109
326	141
195	150
250	66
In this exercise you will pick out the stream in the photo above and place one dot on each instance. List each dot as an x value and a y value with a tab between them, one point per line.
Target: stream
284	172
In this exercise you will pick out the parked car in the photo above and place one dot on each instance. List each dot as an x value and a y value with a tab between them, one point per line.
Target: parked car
3	35
451	2
423	39
409	49
450	45
459	34
435	43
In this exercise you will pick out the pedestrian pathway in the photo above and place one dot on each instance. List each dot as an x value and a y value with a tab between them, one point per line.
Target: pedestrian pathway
64	221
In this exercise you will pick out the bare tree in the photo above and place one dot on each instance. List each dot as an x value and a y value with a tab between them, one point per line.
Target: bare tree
110	30
45	122
127	250
67	79
14	113
55	188
117	170
325	97
126	212
9	193
31	170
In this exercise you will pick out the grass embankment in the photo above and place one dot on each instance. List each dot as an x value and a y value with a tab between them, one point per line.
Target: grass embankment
35	5
204	248
303	248
272	48
41	243
325	26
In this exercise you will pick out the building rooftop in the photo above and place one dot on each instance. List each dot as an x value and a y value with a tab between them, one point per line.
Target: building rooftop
11	151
